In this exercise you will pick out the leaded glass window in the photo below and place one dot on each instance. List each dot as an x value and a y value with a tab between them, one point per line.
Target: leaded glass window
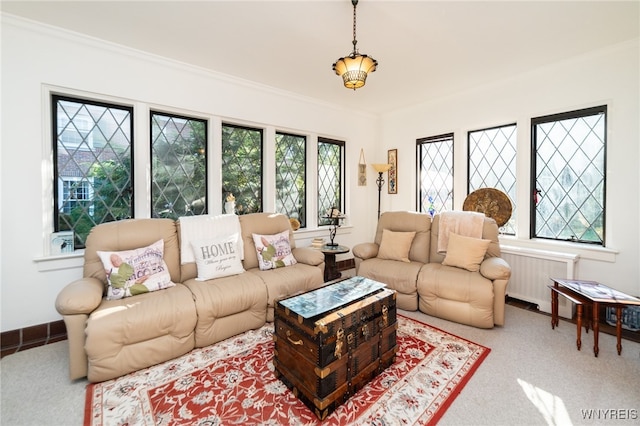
92	164
178	166
330	177
435	174
291	176
242	167
492	164
569	188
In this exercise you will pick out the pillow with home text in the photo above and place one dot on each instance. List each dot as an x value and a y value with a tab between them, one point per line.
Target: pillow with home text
217	257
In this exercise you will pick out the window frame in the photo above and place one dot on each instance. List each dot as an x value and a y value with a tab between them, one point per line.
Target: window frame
513	199
568	115
304	223
156	112
54	98
261	131
342	169
444	137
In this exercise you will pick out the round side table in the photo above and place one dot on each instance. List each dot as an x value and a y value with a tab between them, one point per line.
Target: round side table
331	268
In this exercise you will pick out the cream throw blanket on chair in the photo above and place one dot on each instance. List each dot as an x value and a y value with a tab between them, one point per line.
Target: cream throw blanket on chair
466	223
207	227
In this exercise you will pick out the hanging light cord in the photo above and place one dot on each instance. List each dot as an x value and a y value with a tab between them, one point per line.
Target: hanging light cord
355	50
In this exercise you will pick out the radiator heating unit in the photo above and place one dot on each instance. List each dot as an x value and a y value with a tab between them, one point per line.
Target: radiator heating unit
531	273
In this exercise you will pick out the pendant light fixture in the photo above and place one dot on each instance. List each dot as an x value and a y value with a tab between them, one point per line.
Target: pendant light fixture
354	68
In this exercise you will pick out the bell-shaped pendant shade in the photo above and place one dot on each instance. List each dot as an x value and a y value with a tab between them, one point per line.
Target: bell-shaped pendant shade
354	69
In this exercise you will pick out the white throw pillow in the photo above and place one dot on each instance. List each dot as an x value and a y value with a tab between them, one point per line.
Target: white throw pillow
274	251
133	272
217	258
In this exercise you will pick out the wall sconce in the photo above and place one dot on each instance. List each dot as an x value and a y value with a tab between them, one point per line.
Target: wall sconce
380	168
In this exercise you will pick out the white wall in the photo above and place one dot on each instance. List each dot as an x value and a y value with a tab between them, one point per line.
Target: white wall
608	77
35	57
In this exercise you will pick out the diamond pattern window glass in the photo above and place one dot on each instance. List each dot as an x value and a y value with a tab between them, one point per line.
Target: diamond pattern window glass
92	164
492	164
569	187
330	177
435	174
291	176
178	166
242	167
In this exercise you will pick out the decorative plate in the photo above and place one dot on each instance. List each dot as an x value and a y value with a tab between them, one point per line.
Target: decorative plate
490	201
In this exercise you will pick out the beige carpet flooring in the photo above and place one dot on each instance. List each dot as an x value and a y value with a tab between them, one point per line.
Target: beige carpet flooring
533	376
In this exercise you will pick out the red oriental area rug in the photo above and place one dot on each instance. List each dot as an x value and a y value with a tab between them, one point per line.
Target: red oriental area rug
233	382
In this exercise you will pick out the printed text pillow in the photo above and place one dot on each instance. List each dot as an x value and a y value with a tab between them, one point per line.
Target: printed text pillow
274	251
134	272
218	257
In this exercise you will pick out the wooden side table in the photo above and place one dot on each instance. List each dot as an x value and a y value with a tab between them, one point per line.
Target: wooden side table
331	268
592	295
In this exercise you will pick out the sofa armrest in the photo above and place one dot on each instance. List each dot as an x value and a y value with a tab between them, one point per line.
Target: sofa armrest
308	256
495	268
365	250
82	296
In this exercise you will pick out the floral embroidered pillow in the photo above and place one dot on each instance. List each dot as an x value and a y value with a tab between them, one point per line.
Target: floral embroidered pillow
134	272
274	251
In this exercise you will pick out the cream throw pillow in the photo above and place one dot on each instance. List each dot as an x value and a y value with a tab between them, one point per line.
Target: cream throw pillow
395	245
465	252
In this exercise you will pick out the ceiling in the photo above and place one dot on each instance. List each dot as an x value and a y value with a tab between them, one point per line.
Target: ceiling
425	49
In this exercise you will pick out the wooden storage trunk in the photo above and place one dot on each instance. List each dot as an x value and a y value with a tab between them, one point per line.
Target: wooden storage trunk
327	358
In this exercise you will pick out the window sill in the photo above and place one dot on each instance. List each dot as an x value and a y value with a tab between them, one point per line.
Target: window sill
602	254
60	261
76	259
320	232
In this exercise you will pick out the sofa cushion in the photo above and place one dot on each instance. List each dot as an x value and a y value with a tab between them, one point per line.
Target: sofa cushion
227	306
404	221
217	257
274	251
129	234
125	336
138	271
265	224
465	252
456	294
283	282
395	245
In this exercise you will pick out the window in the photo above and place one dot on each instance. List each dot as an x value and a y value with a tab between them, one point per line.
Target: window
92	146
492	164
330	177
435	174
242	167
568	160
75	192
178	166
291	176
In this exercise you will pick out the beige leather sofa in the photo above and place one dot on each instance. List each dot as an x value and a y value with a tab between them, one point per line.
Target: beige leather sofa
110	338
424	283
